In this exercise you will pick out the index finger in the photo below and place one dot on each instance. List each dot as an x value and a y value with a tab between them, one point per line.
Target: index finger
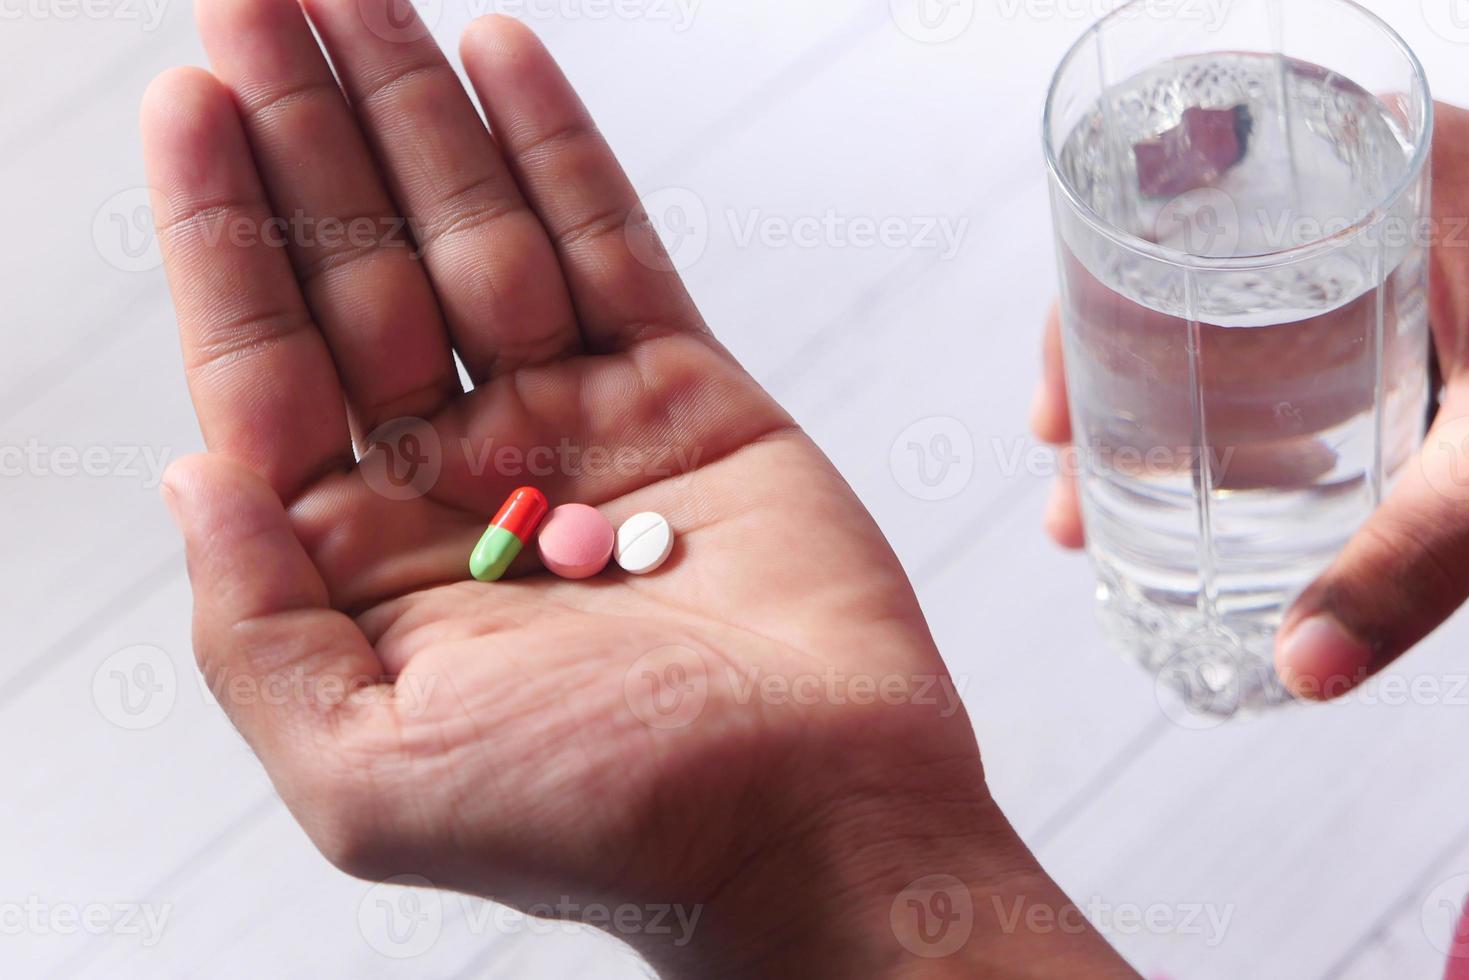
263	383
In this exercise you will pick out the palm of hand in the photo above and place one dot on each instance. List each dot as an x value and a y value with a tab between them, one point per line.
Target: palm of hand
552	724
523	738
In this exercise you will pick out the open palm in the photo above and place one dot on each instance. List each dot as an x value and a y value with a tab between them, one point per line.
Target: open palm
534	737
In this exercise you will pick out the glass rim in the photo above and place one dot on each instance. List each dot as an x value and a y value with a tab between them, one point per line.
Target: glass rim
1134	243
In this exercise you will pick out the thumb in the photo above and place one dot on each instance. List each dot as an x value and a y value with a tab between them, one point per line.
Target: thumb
1397	579
279	660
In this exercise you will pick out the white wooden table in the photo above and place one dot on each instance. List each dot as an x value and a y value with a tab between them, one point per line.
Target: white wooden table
1324	842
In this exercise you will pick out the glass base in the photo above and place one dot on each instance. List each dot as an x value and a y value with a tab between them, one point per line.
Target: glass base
1204	672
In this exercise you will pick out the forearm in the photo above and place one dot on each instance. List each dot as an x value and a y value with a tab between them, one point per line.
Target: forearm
942	889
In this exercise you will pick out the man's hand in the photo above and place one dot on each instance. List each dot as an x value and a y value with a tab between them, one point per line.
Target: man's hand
535	739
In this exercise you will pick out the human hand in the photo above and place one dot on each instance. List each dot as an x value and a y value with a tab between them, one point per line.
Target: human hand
506	739
1407	569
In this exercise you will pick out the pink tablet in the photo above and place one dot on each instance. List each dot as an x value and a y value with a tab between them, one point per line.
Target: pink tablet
576	541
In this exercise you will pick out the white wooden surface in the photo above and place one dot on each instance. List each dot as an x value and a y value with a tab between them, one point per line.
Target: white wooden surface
1330	839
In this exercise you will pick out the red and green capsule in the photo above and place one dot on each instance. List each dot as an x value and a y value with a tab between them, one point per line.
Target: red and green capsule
511	529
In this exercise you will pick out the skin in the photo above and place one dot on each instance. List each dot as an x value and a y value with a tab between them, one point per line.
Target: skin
495	738
1407	569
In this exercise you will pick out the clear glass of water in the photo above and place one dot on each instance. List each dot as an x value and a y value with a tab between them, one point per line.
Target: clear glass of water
1240	200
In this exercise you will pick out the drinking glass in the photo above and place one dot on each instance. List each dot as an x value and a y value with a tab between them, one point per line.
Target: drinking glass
1239	197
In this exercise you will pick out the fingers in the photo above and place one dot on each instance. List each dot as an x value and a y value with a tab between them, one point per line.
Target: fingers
1050	414
1398	578
281	664
370	297
1448	285
1063	513
1050	420
1405	571
571	177
264	386
491	264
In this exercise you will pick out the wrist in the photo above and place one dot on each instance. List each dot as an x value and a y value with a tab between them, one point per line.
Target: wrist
894	884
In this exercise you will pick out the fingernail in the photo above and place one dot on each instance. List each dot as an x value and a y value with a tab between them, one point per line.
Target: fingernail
1320	659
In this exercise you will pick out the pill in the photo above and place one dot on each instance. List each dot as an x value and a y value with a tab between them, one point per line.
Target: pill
507	534
576	541
644	542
